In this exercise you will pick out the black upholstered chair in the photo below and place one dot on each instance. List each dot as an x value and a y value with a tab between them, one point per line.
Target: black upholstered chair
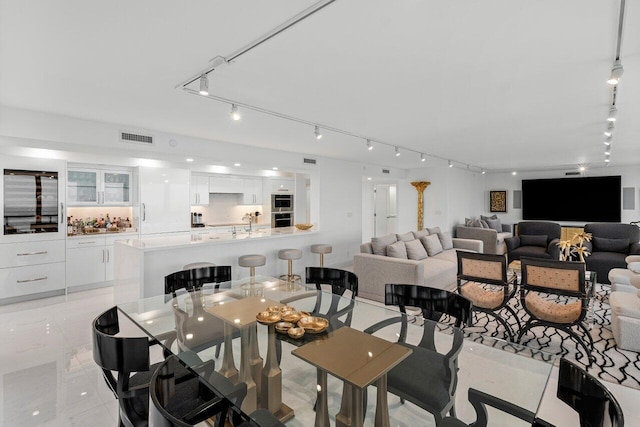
482	278
609	246
426	378
129	357
340	282
595	405
554	294
183	397
536	239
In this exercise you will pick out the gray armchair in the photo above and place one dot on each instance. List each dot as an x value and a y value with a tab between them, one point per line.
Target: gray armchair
611	243
536	239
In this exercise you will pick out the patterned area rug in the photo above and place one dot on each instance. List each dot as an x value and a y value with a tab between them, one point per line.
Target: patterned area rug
611	364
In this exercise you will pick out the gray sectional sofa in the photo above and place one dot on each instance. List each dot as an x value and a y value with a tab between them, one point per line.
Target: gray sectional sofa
397	258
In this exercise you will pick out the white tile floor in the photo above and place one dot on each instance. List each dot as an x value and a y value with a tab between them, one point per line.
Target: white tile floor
48	377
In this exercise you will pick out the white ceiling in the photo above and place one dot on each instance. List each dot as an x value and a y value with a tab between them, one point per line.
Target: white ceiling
498	84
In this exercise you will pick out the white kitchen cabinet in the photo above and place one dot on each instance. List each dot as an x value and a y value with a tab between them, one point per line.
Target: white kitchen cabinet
199	190
252	191
226	184
90	259
93	187
164	200
279	185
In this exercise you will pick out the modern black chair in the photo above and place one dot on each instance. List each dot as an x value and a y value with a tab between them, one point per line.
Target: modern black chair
536	239
340	282
261	418
565	282
205	333
126	356
183	397
482	278
609	246
426	378
595	405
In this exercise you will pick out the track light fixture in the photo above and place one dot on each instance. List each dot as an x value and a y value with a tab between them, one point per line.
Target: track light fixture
607	151
450	164
609	130
369	146
204	85
613	112
606	159
616	73
317	133
483	171
397	151
608	140
582	168
423	158
235	115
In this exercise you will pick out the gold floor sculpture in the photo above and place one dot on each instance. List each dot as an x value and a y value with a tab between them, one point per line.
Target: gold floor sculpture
420	187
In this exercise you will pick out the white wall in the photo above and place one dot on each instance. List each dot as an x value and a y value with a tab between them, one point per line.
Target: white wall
506	181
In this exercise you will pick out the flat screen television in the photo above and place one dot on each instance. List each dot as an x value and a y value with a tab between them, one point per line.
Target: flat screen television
591	199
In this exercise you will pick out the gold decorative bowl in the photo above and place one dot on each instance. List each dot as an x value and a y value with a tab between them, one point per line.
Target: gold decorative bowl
283	327
287	308
303	226
274	308
291	316
313	325
268	317
296	332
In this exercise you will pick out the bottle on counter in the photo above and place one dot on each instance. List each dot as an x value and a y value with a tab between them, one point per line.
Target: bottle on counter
69	225
107	221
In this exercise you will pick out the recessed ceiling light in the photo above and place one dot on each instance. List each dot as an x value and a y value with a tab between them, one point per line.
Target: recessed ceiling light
483	171
236	164
514	173
317	132
582	168
235	115
397	151
275	168
368	178
613	112
616	73
189	160
204	85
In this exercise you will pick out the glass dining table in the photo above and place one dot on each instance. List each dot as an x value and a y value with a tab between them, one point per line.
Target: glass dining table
323	377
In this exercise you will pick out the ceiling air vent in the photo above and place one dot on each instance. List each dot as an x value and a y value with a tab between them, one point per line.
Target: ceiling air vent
135	138
572	173
385	171
310	161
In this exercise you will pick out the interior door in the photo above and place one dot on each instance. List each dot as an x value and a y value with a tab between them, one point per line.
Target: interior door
385	207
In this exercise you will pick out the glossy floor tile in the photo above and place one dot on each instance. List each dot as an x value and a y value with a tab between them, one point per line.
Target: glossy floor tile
48	376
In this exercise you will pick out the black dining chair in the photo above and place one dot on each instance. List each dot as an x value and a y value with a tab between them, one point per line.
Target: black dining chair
593	402
184	397
129	357
426	378
211	332
340	282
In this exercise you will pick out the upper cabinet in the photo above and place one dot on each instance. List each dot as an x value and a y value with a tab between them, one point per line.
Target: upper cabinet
249	188
282	184
199	190
164	200
92	187
252	194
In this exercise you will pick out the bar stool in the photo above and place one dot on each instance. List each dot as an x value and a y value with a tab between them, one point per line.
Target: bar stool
252	261
290	255
198	265
321	248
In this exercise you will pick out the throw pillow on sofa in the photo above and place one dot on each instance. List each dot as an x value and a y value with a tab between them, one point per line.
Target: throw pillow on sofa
397	250
415	250
420	234
533	240
445	240
405	237
434	230
600	244
432	244
494	216
380	244
495	224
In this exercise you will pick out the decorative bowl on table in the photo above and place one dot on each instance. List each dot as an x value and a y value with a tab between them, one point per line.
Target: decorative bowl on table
268	317
303	226
313	325
296	332
274	308
291	316
286	308
283	327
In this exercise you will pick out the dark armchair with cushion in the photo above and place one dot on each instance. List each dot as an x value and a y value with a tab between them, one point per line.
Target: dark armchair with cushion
611	243
536	239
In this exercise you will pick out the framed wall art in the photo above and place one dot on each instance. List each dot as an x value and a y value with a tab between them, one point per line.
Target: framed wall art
498	201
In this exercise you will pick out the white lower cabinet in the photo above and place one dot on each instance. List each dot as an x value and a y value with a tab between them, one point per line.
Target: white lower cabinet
90	260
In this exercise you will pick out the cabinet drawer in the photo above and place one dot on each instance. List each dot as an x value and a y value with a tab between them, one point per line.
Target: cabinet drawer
32	279
110	240
85	242
31	253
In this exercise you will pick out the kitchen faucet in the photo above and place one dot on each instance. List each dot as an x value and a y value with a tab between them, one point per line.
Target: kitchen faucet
248	217
233	231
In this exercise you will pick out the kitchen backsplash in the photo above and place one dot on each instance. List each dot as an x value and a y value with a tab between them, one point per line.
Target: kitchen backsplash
224	208
100	212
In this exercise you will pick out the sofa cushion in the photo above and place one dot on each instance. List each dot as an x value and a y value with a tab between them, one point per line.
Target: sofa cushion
482	295
449	256
623	305
468	221
551	311
405	237
532	251
421	233
484	224
439	273
446	240
494	224
432	244
600	244
434	230
397	250
634	266
533	240
380	243
415	250
503	235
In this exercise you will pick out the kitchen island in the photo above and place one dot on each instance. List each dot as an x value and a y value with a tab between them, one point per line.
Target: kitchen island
141	264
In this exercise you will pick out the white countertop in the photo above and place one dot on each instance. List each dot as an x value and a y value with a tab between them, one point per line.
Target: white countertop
103	232
187	240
